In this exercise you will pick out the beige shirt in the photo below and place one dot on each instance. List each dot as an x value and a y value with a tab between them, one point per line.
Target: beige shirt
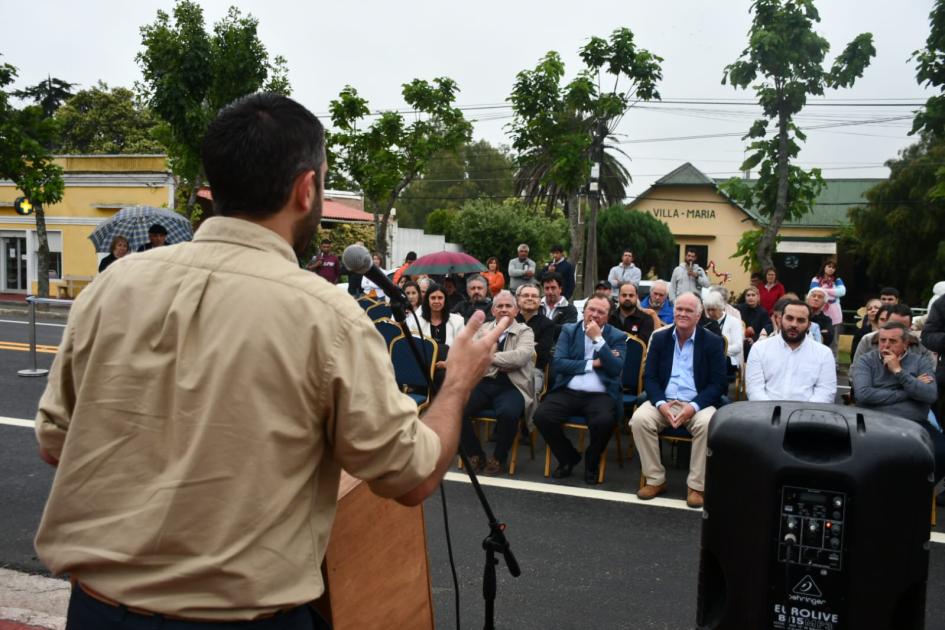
202	403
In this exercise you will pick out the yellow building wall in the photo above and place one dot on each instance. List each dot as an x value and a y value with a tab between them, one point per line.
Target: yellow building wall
699	215
96	188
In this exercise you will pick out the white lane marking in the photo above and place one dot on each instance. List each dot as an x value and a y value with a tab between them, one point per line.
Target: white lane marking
13	321
532	486
18	422
603	495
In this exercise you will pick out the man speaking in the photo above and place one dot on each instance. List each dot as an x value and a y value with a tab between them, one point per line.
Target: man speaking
200	434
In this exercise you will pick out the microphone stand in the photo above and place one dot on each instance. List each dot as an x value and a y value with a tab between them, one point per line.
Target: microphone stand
495	541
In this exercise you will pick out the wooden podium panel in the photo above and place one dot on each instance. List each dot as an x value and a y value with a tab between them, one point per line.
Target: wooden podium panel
376	569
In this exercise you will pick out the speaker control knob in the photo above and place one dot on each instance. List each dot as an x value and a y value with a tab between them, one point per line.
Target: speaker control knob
837	502
790	539
813	526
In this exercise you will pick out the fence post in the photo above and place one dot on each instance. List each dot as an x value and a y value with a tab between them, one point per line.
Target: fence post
34	371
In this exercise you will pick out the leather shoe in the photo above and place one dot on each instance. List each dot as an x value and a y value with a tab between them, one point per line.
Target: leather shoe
695	498
493	467
590	477
564	470
476	463
648	492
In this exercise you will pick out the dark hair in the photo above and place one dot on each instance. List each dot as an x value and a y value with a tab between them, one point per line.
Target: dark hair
790	302
557	248
415	285
893	291
767	269
900	309
411	256
254	151
896	326
489	260
782	302
425	305
552	276
830	260
157	228
326	241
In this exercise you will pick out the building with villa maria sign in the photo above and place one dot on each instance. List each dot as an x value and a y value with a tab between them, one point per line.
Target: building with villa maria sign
701	217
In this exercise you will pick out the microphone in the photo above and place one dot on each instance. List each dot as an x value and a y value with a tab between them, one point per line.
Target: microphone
358	260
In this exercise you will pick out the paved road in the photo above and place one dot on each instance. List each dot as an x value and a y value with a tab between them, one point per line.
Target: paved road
591	558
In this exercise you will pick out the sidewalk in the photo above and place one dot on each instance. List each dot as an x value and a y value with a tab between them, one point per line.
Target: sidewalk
32	602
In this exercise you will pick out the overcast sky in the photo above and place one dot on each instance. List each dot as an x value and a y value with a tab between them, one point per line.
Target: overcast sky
377	46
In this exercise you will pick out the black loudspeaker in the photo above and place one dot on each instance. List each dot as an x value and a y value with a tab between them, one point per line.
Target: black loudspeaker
816	517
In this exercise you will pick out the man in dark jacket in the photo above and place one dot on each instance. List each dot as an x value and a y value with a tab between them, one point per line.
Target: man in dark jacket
685	378
629	317
477	299
560	265
529	312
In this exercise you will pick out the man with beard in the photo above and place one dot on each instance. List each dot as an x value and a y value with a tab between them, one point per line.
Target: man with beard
629	317
478	299
791	365
200	435
658	300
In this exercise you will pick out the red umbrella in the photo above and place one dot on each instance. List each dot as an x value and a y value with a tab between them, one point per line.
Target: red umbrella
442	263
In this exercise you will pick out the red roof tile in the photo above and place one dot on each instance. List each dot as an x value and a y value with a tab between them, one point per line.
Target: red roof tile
331	211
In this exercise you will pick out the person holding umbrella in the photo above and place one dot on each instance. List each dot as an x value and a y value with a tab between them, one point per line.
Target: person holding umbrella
157	237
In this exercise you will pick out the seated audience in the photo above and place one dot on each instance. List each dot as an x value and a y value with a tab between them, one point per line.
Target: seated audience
868	323
630	317
435	321
412	291
587	363
529	312
933	339
897	380
817	300
685	377
889	295
731	328
454	297
658	300
888	313
754	315
507	388
554	305
722	291
478	299
367	286
791	365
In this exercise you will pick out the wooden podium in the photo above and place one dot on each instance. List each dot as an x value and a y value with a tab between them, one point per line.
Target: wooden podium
376	570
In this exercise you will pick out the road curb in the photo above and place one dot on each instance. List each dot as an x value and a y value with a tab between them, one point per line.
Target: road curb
32	601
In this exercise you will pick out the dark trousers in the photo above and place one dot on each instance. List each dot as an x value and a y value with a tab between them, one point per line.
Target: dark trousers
88	613
500	395
558	406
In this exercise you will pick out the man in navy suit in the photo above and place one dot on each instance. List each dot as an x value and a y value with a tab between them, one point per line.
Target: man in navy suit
587	364
684	379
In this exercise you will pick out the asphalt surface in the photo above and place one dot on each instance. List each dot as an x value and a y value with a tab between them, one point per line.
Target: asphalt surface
586	562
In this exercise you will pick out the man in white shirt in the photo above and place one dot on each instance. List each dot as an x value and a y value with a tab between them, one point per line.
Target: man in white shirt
792	366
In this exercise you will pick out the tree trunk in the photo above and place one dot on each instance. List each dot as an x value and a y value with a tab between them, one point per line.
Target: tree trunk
577	243
766	246
380	230
192	197
42	278
590	256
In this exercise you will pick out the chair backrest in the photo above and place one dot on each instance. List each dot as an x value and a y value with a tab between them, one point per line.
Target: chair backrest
388	329
633	365
409	375
366	302
380	310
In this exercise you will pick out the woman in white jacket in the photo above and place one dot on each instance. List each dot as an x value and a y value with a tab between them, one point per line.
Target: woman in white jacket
732	329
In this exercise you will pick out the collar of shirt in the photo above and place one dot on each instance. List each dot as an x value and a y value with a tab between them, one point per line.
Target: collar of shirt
244	233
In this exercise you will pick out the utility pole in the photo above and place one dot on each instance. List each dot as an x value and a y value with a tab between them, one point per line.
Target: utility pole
593	196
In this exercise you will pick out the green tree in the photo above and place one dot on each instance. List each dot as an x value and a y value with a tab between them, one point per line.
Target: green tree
49	94
930	72
904	216
385	158
559	132
487	228
442	222
475	170
190	74
786	58
650	240
24	159
106	120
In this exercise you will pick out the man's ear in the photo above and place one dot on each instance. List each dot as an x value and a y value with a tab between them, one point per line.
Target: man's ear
304	190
